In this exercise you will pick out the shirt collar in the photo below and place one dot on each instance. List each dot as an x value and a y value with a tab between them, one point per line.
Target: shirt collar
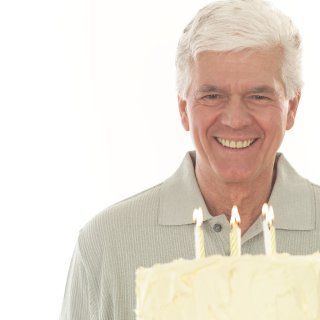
292	197
180	195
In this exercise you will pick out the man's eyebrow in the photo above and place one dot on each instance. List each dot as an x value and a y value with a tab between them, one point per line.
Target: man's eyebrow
262	89
209	88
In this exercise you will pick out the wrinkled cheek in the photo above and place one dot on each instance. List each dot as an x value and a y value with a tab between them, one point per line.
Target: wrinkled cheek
277	138
199	139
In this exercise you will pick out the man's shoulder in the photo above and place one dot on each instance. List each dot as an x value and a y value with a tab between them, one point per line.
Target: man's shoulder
316	189
131	206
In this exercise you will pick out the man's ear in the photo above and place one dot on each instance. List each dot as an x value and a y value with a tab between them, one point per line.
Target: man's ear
292	111
183	113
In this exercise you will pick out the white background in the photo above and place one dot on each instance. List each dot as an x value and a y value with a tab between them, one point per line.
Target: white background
89	116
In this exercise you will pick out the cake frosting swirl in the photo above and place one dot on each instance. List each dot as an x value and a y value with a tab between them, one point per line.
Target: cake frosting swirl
231	288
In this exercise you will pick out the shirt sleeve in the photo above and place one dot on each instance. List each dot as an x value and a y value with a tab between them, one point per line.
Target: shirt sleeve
76	303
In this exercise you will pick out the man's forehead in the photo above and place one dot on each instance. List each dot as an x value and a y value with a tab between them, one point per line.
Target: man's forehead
247	62
254	71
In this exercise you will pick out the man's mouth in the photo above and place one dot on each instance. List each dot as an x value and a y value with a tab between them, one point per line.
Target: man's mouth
235	144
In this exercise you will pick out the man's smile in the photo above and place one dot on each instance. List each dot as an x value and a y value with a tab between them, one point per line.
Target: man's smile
235	144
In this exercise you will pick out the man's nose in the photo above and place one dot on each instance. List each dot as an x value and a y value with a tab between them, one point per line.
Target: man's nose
236	114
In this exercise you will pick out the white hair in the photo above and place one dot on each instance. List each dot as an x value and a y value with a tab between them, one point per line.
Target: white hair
235	25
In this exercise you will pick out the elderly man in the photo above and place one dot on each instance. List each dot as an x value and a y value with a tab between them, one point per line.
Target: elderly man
239	86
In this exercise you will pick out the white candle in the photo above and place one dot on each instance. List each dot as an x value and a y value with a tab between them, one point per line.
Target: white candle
235	233
272	230
266	230
198	233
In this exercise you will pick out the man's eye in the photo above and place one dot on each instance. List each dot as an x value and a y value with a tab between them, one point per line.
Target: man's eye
212	96
258	97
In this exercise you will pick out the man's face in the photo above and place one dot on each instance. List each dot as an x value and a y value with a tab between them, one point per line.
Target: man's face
237	112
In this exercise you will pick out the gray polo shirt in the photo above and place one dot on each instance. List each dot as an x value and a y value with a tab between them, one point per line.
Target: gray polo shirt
156	226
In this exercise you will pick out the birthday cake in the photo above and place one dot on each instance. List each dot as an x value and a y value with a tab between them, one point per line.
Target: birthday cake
231	288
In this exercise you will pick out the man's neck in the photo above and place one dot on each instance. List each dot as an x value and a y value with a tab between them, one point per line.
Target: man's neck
248	197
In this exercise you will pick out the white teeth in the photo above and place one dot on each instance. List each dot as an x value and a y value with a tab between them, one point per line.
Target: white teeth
235	144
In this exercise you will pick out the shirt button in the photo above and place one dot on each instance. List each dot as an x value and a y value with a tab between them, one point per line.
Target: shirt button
217	227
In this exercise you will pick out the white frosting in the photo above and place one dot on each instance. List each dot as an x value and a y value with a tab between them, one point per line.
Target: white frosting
281	287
